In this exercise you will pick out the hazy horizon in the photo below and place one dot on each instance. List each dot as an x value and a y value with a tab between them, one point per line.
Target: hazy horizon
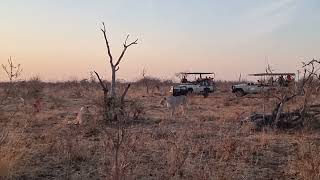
61	40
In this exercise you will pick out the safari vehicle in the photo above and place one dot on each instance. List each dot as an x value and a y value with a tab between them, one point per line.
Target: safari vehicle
200	85
267	82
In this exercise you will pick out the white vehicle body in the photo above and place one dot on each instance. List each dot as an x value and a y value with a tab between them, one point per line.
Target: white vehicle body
249	88
200	85
196	88
268	81
202	88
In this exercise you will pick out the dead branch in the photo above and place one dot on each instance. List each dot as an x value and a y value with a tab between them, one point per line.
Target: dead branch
104	86
107	43
124	94
125	47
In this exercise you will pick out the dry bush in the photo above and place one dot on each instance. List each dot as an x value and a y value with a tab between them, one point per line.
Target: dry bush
70	151
230	101
73	150
10	90
179	150
34	88
76	93
149	83
223	86
56	101
312	122
136	109
133	109
211	117
121	145
161	133
226	149
152	85
69	84
307	162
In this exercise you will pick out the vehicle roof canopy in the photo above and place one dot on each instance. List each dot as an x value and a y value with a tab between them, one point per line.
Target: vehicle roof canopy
272	74
196	73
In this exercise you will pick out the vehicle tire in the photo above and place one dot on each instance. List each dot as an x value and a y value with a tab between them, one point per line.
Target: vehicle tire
239	93
190	91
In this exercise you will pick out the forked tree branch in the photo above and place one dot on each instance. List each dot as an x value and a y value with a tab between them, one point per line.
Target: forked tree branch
310	62
313	72
125	46
107	43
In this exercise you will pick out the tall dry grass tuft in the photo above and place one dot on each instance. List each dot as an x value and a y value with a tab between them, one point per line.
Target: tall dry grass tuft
177	155
307	161
136	110
73	150
122	145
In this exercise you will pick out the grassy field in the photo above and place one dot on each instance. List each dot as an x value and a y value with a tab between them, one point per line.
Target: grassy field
208	142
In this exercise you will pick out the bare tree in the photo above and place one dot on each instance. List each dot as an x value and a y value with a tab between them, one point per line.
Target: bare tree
12	71
115	65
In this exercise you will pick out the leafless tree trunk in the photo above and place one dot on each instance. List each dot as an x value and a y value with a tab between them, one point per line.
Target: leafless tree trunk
115	65
110	103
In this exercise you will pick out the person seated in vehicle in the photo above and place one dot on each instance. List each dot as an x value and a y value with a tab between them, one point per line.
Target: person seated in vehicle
289	78
260	82
271	81
184	80
281	81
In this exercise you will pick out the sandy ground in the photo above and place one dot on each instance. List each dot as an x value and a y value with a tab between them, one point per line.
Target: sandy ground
208	142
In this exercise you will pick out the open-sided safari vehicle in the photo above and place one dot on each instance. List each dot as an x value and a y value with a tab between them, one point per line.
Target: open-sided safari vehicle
200	85
267	81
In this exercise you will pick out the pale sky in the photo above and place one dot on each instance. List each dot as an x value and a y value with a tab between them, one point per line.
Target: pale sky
61	39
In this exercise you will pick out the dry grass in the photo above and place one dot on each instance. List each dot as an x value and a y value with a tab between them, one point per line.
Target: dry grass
306	163
208	143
